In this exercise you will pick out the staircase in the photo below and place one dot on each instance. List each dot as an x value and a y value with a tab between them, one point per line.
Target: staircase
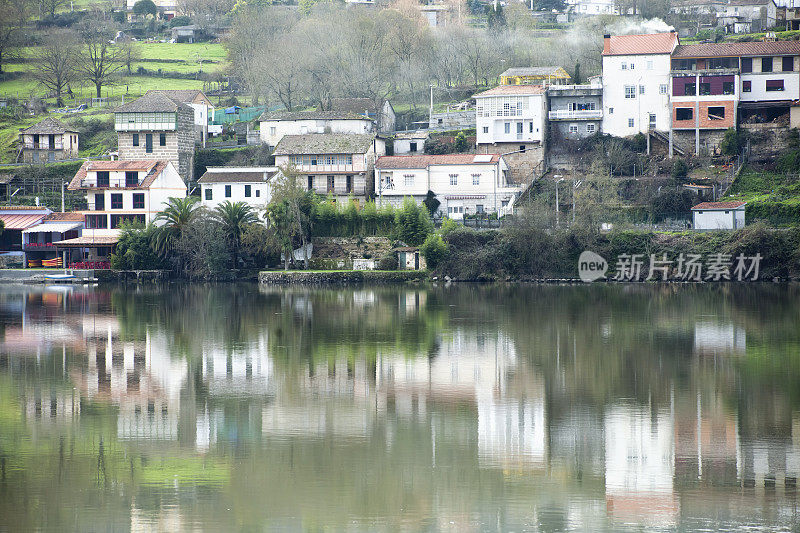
659	136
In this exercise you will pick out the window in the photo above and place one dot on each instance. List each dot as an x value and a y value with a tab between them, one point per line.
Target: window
138	200
630	91
476	179
747	86
590	128
209	194
573	128
530	127
258	193
689	89
632	66
705	89
136	139
486	129
330	184
148	143
96	221
118	220
662	89
727	87
348	184
99	202
453	179
630	122
310	182
116	201
102	178
522	148
248	191
610	110
774	85
408	180
747	65
624	66
507	127
651	120
519	128
716	113
684	113
787	64
131	179
479	208
272	130
162	139
227	191
412	147
641	89
649	65
766	64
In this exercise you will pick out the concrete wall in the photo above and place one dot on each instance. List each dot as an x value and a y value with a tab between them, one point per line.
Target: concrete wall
719	219
260	194
453	120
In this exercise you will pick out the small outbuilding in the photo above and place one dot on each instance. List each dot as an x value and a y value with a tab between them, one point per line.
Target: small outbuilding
409	258
718	215
49	140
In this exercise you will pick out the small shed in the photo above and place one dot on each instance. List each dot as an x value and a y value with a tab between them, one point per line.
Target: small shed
409	258
718	215
185	34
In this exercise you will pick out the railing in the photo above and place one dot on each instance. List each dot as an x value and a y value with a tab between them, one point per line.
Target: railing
38	246
595	114
584	87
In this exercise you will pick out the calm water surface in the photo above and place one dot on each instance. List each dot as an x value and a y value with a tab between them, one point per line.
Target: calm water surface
465	408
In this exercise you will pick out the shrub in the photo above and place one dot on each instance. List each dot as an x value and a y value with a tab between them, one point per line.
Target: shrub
680	169
412	224
182	20
387	262
145	7
133	251
460	144
672	205
448	226
434	250
732	142
431	202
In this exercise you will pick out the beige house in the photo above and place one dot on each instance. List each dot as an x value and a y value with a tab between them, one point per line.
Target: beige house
381	112
49	140
333	163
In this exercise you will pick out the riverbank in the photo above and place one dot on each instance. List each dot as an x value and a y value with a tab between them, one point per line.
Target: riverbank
334	277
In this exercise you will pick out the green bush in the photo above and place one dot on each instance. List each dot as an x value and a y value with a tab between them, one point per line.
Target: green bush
412	224
133	251
434	250
732	142
145	7
182	20
388	262
460	143
680	169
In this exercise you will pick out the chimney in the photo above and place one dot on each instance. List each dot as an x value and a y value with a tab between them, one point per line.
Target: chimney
607	43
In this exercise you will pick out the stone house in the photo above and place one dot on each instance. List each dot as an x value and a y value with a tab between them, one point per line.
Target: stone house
157	127
49	140
381	112
273	126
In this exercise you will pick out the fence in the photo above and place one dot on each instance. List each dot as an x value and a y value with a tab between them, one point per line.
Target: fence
242	114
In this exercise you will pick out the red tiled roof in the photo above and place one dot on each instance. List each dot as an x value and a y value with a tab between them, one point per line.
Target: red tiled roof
502	90
424	161
22	208
718	205
19	222
66	217
737	49
152	167
652	43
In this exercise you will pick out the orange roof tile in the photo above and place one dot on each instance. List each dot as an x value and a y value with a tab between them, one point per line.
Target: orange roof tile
718	205
151	166
652	43
423	161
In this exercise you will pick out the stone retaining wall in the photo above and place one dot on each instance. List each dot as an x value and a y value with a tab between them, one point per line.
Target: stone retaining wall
334	277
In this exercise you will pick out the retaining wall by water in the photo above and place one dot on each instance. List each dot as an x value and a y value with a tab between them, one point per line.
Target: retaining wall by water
340	277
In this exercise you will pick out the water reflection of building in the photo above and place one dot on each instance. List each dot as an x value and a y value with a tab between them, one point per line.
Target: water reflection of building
640	461
719	338
51	404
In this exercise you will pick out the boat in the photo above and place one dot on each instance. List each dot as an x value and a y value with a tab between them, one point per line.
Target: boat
60	277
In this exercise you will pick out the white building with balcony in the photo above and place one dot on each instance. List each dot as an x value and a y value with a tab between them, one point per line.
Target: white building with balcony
463	183
337	164
251	185
575	111
118	192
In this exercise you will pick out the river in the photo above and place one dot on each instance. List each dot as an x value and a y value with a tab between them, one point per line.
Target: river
462	408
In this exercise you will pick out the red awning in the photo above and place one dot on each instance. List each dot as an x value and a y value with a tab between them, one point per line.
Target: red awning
20	222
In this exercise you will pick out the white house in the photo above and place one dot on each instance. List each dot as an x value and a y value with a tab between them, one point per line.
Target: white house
463	183
593	7
511	116
636	77
410	142
381	111
273	126
718	215
116	192
338	164
237	184
761	13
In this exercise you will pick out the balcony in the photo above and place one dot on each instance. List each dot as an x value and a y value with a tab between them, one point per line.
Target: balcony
38	246
705	72
563	114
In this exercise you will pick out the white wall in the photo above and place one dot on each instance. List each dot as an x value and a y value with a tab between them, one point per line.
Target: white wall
403	146
651	72
260	194
758	84
272	131
719	219
491	129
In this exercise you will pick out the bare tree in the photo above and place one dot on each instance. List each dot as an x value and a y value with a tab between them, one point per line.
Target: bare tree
13	15
101	59
56	62
205	12
131	53
49	7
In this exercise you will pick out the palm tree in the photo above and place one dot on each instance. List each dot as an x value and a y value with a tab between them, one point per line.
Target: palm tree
234	218
172	222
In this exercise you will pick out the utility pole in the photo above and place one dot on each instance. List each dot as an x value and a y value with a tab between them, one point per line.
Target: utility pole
63	184
430	111
560	179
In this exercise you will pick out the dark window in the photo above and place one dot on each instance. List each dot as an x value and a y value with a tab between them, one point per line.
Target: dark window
747	64
162	139
148	143
684	113
99	202
208	194
96	221
788	64
247	191
705	89
747	86
118	220
131	179
774	85
138	200
716	113
136	139
258	193
690	89
727	87
412	147
102	178
227	191
116	201
522	148
349	184
766	64
51	141
330	184
310	182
